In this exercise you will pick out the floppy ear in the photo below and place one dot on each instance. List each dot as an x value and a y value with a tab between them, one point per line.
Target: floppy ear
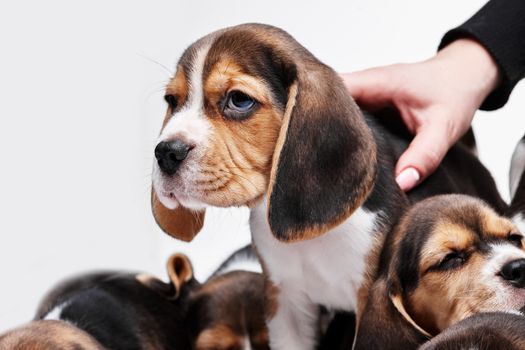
325	158
382	324
180	272
181	223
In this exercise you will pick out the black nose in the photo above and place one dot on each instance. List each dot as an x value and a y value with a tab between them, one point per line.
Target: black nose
170	155
514	272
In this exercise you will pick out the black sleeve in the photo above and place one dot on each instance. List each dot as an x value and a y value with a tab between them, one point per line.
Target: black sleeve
500	27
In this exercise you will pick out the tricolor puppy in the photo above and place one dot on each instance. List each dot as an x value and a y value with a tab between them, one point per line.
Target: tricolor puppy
111	311
449	257
137	311
255	119
486	331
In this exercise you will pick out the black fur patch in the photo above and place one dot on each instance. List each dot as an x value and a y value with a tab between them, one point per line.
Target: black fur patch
482	332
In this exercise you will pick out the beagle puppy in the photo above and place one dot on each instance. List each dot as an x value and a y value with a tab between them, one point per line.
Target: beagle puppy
486	331
448	258
255	119
111	310
137	311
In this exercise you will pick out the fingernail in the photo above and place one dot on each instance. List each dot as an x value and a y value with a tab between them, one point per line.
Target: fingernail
408	178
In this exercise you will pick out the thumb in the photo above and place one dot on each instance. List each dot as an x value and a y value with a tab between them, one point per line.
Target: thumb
423	155
372	87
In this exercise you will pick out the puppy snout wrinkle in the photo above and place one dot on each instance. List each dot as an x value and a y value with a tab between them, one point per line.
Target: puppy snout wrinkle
170	155
514	272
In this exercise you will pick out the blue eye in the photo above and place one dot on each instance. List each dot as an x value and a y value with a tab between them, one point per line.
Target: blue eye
239	101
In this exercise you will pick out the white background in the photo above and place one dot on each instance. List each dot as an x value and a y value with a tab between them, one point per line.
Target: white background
81	105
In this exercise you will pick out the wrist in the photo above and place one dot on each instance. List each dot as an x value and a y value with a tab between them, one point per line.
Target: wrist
473	66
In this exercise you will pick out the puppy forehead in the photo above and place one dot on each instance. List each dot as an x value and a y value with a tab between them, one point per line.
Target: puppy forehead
227	74
244	55
255	51
460	227
495	226
448	235
447	222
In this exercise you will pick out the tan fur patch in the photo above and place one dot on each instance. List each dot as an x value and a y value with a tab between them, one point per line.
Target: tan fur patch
219	337
261	338
447	236
181	223
496	226
226	75
180	271
178	87
48	335
442	299
237	163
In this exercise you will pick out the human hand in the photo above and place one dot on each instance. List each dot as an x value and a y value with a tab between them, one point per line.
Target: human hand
436	99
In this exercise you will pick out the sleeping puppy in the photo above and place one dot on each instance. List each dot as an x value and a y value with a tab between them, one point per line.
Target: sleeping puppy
486	331
137	311
449	257
111	311
129	311
255	119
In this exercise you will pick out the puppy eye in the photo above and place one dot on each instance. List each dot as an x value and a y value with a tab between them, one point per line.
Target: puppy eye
238	105
240	101
515	239
171	100
451	261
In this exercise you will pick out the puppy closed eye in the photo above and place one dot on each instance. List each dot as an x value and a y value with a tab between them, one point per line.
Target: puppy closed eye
238	105
515	239
450	261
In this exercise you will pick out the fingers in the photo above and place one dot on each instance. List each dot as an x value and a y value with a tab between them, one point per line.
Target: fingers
424	154
372	87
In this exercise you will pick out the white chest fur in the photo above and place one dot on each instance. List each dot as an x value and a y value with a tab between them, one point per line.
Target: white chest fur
327	270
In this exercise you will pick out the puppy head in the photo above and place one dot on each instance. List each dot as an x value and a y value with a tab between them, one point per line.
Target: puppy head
252	113
48	335
453	257
228	313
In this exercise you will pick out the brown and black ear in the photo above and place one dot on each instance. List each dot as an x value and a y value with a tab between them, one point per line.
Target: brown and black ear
180	272
181	223
382	326
324	162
